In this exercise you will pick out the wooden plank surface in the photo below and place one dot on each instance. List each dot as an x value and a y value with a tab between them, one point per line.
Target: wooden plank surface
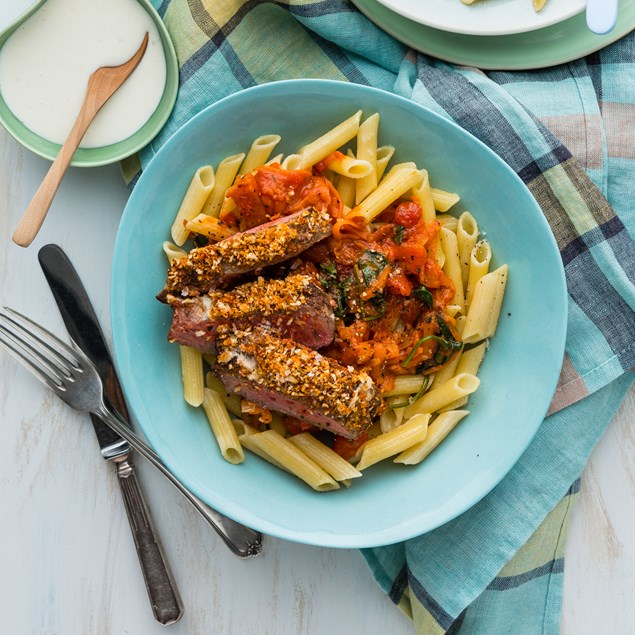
66	553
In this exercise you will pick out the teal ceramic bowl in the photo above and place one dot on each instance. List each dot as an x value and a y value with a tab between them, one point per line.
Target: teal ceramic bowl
92	157
390	502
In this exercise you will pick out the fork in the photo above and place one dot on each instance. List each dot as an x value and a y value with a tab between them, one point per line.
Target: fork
74	379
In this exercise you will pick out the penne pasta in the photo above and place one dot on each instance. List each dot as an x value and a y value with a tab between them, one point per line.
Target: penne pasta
192	375
367	151
348	166
406	385
449	391
423	195
392	417
452	265
292	162
245	434
225	175
480	259
172	251
294	460
201	185
331	462
394	442
448	221
319	149
466	237
443	201
437	431
394	185
222	427
484	311
469	362
209	226
232	401
259	152
384	154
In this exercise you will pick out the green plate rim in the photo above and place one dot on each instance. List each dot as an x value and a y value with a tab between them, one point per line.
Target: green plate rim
557	44
104	155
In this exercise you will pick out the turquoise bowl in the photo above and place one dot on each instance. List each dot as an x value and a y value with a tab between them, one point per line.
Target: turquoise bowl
93	157
390	502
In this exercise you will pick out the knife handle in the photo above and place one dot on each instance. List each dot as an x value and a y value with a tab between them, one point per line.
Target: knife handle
164	596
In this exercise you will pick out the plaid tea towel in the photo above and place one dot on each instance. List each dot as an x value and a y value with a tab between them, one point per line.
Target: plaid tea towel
569	133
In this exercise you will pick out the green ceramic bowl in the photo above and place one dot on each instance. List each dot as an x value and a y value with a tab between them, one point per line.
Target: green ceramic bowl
91	157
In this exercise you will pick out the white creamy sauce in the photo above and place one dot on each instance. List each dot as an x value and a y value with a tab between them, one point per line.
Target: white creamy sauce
46	63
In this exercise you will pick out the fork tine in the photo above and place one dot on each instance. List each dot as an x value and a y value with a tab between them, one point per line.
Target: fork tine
26	356
50	347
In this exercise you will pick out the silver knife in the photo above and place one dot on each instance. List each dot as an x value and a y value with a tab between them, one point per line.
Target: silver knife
83	327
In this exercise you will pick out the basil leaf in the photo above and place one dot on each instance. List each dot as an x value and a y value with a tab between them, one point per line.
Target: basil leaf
371	263
424	295
399	233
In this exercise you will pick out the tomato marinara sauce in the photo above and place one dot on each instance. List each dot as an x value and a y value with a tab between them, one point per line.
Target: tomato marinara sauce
390	295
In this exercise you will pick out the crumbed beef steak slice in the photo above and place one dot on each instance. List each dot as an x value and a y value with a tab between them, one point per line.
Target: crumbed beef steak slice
208	267
287	377
293	307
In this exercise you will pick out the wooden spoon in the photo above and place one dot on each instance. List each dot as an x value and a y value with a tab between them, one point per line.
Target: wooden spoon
102	85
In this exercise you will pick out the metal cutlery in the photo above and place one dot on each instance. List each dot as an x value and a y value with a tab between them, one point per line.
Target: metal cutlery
83	327
73	378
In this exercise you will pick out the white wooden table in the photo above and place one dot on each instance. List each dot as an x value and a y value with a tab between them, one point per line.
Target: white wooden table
66	555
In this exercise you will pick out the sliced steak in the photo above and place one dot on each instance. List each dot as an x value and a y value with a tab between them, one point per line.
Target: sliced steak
294	307
208	267
287	377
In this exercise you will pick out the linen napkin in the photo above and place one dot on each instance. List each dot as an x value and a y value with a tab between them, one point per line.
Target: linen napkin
569	133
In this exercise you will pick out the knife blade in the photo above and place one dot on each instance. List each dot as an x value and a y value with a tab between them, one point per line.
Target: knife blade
83	327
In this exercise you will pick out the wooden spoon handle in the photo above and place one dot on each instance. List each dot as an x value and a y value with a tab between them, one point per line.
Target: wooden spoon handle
35	213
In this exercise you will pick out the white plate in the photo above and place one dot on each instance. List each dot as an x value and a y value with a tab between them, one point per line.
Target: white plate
485	17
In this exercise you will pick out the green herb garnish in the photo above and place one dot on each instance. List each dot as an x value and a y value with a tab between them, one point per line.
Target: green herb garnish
424	295
399	233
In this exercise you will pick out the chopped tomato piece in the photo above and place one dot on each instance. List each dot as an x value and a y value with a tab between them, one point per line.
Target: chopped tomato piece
347	448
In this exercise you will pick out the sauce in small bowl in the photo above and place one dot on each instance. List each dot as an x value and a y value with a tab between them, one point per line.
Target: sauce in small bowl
46	58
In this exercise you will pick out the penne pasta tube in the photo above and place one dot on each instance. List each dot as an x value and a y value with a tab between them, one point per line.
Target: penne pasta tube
331	462
201	185
449	391
394	442
423	195
346	189
259	153
437	431
394	185
277	424
232	401
335	138
192	375
480	259
469	362
452	265
348	166
225	175
245	434
222	427
443	201
277	159
448	221
466	237
484	311
406	385
294	460
209	226
292	162
446	372
384	154
392	417
367	151
172	251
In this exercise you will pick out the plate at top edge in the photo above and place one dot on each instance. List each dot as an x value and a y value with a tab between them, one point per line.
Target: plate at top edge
556	44
485	17
104	155
518	377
